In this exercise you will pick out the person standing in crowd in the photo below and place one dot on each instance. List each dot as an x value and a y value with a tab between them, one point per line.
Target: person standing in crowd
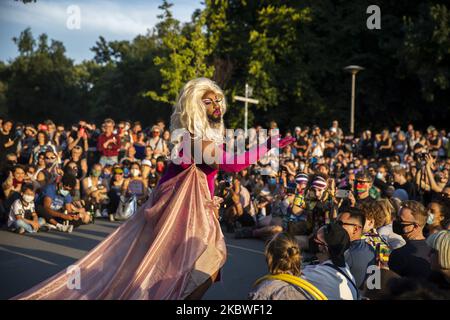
8	140
360	255
413	259
108	144
157	143
385	145
401	182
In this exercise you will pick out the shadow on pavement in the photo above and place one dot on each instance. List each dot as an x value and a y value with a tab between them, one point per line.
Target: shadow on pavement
23	268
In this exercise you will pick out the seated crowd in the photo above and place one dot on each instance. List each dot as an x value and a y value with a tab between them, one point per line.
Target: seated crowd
345	217
59	178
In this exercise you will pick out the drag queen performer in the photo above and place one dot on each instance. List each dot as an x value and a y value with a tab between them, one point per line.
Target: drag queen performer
173	247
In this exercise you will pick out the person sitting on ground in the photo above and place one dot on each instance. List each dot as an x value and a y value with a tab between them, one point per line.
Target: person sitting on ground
76	155
136	185
283	259
54	205
95	190
360	255
22	216
332	275
51	173
116	190
413	259
13	184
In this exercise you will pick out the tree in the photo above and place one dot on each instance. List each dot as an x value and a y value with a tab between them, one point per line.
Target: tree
184	54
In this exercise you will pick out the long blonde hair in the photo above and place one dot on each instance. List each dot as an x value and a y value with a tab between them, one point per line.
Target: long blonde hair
189	112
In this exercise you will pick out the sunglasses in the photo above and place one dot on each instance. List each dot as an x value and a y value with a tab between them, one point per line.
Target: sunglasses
341	223
50	158
319	242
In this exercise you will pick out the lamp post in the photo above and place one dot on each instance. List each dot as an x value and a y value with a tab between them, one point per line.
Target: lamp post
353	69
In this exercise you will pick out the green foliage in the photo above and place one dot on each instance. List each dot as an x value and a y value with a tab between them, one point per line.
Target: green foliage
291	52
183	56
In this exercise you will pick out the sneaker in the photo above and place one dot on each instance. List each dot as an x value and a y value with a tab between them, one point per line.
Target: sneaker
20	230
44	228
49	226
111	218
98	213
105	213
64	228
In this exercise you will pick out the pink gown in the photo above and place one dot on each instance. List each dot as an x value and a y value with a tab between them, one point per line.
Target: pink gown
166	250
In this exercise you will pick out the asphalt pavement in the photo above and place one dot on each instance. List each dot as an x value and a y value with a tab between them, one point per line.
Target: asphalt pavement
26	260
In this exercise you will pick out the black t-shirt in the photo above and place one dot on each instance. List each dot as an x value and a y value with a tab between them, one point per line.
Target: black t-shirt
411	260
4	138
408	187
367	200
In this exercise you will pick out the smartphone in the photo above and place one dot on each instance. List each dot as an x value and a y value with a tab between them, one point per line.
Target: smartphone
342	194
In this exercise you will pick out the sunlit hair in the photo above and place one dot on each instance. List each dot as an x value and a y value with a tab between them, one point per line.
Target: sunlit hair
283	255
189	112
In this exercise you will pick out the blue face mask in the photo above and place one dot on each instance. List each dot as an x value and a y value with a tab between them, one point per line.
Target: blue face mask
272	181
64	192
106	176
430	219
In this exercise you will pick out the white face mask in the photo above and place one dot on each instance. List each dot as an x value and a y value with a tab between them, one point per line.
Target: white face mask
27	198
135	172
380	176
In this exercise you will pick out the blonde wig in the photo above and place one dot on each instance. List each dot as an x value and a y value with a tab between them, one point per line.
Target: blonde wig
189	113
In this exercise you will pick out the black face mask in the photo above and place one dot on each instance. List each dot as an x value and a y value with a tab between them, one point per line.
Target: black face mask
397	227
313	246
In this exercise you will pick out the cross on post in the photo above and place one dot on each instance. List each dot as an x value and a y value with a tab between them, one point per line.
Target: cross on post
247	100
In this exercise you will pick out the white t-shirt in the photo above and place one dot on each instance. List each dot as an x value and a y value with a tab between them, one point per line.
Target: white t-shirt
19	209
332	283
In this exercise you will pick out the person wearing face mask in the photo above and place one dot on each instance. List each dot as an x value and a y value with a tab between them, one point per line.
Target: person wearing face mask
55	201
136	185
413	259
95	189
332	275
51	172
319	204
363	184
437	213
22	215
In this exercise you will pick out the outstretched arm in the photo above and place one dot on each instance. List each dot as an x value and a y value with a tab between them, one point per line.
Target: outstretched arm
238	162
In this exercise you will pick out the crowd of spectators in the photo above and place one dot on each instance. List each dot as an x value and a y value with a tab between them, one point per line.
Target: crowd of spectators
337	206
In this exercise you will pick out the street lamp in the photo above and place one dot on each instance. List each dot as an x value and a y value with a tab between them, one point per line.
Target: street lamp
353	69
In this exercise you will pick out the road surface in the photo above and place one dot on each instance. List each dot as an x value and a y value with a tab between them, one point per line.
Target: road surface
26	260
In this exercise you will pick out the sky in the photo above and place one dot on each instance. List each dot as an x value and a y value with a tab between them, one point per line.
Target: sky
113	19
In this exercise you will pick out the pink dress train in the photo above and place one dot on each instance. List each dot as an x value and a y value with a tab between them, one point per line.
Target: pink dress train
167	249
